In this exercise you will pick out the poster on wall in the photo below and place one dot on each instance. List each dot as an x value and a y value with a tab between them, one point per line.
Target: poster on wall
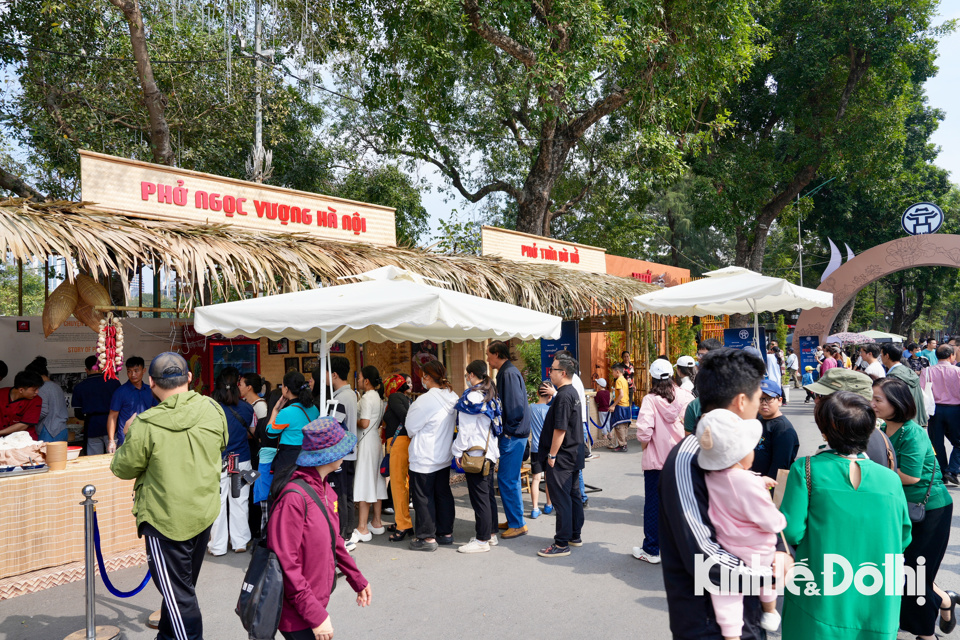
569	339
808	354
242	354
421	353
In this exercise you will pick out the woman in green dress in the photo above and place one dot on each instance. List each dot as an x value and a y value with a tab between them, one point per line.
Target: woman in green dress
922	484
852	511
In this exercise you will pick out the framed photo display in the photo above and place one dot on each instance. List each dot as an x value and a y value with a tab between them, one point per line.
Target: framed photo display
301	346
277	347
291	364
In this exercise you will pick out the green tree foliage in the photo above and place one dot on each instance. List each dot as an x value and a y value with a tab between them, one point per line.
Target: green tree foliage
529	353
833	97
539	102
388	186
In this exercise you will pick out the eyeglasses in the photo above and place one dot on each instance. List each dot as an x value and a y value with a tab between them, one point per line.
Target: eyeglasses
555	369
767	400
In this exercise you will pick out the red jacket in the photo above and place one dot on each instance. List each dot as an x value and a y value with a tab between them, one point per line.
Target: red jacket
298	533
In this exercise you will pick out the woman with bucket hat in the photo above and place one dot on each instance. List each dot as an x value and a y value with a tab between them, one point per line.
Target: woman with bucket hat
305	539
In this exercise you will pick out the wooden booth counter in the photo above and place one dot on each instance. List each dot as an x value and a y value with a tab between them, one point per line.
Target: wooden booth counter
42	524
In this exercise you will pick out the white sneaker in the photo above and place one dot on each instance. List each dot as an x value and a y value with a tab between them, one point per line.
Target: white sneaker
377	531
475	546
493	540
350	545
640	554
356	537
770	621
388	510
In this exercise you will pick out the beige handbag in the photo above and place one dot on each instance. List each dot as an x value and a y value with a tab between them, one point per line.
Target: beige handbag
477	463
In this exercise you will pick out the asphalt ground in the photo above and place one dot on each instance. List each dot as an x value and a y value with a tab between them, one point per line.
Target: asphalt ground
599	591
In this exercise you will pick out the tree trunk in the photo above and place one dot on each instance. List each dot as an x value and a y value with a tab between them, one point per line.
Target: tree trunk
904	318
15	184
153	98
842	323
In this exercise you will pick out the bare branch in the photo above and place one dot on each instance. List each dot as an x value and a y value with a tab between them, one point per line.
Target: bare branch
16	185
497	38
153	98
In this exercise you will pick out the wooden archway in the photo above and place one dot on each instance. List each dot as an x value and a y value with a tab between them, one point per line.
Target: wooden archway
846	282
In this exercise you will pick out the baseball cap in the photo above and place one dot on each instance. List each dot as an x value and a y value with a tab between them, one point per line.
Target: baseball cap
753	351
661	369
771	388
601	382
808	368
686	361
725	439
839	379
168	364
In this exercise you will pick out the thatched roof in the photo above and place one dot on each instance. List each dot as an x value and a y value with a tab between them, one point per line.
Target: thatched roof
241	260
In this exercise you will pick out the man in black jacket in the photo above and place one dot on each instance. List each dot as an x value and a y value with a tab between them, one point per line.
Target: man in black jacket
512	392
727	379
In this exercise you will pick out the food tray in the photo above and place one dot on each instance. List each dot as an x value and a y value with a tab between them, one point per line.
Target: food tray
16	473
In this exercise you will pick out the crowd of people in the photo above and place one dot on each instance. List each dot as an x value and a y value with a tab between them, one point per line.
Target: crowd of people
715	446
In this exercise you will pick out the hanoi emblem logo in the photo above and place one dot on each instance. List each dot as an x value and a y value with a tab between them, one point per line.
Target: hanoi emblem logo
922	218
744	334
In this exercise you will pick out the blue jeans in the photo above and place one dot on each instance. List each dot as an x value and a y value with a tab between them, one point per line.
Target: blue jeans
508	477
46	436
651	511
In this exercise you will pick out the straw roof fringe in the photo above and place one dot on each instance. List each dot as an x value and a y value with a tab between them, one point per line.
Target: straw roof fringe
240	259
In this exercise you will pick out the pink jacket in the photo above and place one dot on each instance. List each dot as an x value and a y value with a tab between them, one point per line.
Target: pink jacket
660	424
743	514
301	540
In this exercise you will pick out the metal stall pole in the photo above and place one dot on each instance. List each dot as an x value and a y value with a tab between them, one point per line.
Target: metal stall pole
91	632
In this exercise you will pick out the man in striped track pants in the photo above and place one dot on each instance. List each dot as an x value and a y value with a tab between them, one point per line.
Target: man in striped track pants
173	452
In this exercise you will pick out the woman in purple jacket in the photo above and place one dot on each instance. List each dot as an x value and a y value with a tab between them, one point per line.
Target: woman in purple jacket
300	535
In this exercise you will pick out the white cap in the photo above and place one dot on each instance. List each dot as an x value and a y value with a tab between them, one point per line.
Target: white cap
725	439
661	370
601	382
686	361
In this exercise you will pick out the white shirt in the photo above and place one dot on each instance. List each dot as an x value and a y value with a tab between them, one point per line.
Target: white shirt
773	368
792	362
430	423
474	431
578	385
686	383
346	398
875	370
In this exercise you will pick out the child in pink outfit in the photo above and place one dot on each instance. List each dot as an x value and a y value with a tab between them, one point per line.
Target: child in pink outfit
741	510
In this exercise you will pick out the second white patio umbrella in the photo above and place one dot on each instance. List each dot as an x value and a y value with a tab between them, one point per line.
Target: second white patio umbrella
728	291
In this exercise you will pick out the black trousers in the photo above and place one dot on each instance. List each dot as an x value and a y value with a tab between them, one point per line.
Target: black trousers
433	503
484	503
342	483
564	488
929	542
944	423
175	567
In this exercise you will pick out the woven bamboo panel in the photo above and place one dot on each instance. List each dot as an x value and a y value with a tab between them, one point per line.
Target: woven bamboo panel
42	520
55	576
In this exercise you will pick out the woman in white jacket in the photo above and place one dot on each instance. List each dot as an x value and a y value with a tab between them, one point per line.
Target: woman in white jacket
478	419
430	424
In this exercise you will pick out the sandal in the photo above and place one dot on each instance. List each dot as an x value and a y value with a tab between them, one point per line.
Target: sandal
392	527
400	534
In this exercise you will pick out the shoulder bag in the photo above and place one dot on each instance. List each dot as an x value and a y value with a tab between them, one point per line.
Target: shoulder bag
385	462
261	594
477	463
918	510
929	403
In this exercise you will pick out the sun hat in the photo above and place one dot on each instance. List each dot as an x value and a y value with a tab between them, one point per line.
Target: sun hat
661	370
808	368
725	439
601	382
771	388
324	441
686	361
168	364
838	379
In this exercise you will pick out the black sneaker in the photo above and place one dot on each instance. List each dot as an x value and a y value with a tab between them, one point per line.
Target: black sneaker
445	540
576	543
422	545
951	478
621	448
553	551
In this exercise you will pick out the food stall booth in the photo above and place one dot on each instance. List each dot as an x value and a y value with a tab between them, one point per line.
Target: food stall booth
214	239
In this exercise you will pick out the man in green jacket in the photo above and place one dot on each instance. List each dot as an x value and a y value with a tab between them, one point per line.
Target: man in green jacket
890	356
173	452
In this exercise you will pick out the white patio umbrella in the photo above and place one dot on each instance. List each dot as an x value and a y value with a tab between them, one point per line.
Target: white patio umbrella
883	336
388	304
728	291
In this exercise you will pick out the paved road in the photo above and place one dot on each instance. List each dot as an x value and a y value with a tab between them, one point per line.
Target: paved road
599	591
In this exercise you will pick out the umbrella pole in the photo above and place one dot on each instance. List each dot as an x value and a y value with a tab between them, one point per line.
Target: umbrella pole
756	326
324	362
